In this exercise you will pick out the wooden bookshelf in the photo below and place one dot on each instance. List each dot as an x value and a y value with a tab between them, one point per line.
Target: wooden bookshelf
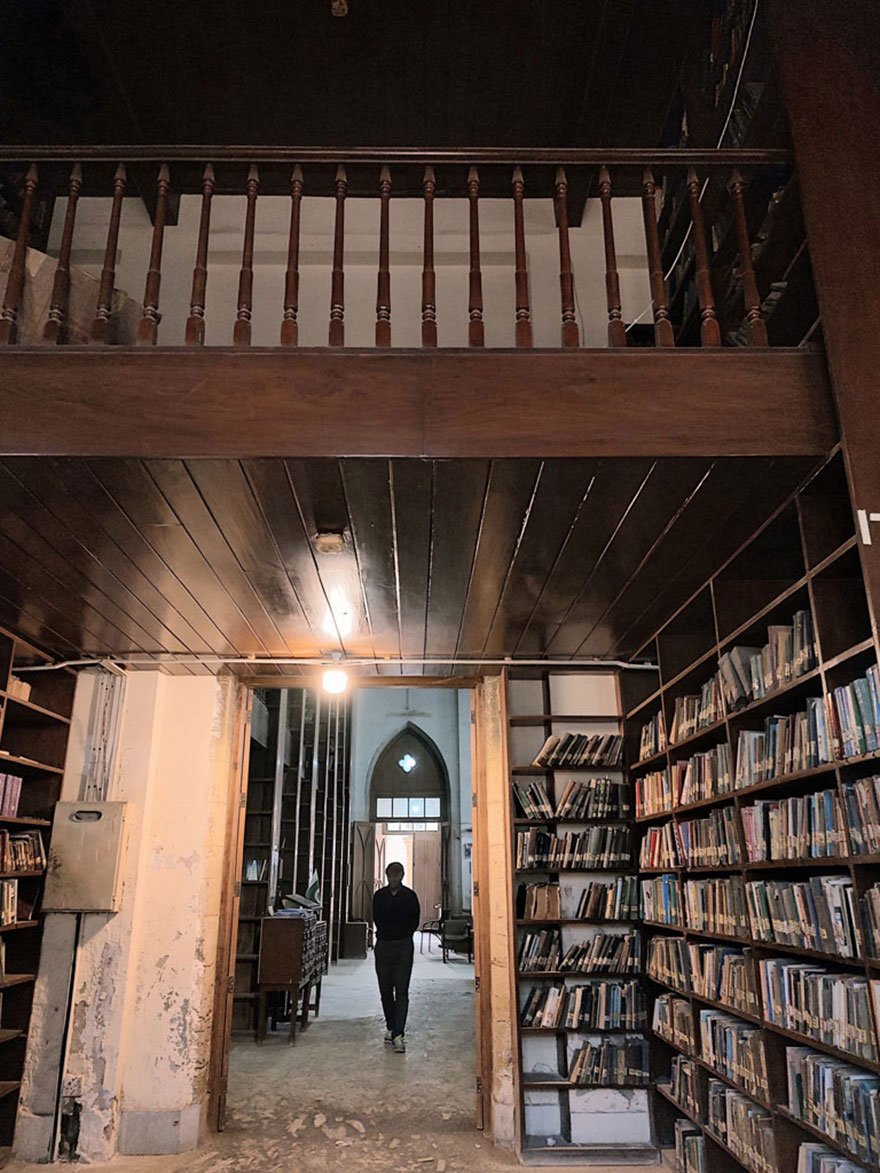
542	703
804	558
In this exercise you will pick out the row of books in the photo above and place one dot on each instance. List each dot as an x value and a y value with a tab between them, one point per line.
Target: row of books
582	798
10	795
538	902
841	1101
834	1008
611	900
603	1005
661	900
749	674
24	852
743	1126
705	775
720	973
684	1084
601	953
818	1158
674	1021
787	745
697	711
706	843
735	1049
597	847
9	902
611	1061
580	749
716	906
854	715
862	802
653	737
690	1148
818	913
871	920
809	826
654	793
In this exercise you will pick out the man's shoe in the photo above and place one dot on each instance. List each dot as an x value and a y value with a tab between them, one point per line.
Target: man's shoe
398	1044
388	1037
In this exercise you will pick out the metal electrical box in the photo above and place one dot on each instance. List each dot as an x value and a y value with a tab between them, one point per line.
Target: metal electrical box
85	857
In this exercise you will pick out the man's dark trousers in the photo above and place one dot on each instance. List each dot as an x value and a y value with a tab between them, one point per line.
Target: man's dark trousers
394	962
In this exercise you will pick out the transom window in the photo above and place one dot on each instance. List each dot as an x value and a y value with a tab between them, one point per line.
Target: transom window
407	808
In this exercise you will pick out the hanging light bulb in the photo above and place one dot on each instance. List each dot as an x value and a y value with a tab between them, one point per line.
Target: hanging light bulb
335	680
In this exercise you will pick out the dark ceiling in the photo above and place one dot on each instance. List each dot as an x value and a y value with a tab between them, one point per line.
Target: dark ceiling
391	73
444	558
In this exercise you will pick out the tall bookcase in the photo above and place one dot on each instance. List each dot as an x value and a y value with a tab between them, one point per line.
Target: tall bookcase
805	559
33	743
560	1120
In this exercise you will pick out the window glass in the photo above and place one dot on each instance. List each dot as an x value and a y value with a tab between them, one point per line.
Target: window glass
383	808
400	809
416	808
432	808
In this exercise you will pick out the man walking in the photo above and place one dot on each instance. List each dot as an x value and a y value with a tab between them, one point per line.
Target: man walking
397	915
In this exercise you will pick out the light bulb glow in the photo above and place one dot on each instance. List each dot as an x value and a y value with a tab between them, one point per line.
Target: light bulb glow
335	680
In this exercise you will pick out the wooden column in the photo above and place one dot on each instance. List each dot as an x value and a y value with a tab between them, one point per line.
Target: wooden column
241	334
383	287
755	325
289	324
195	323
663	333
524	336
616	330
429	280
570	332
15	281
336	335
476	333
710	333
104	308
149	323
830	66
53	331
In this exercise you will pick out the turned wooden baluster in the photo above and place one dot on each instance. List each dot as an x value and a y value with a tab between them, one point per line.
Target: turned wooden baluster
383	290
570	332
337	280
616	330
663	332
52	331
710	332
241	334
429	280
149	323
15	281
521	273
476	331
195	323
289	324
108	273
755	324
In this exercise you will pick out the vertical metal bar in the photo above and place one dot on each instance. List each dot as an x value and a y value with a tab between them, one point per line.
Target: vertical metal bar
521	274
710	333
663	332
570	332
277	794
337	281
289	324
241	334
195	323
476	333
149	323
383	287
755	324
429	278
616	330
53	330
104	308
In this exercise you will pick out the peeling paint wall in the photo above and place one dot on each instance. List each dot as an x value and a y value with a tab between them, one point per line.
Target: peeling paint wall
143	984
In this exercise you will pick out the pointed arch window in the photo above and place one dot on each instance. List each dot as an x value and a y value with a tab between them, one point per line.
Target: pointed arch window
409	780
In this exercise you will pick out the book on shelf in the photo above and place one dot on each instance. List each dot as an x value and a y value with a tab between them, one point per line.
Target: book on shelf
539	951
597	847
575	750
660	847
723	973
653	737
596	1005
833	1008
861	800
717	906
611	900
786	745
744	1126
674	1021
594	798
871	921
668	962
705	775
748	674
697	711
710	841
538	902
841	1101
818	1158
804	827
690	1147
10	795
611	1061
654	793
684	1083
661	900
854	715
22	852
533	799
817	914
604	953
256	869
735	1049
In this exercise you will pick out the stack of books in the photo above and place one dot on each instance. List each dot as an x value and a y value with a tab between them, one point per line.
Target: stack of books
684	1084
575	750
604	953
697	711
807	827
605	1006
854	716
23	852
710	842
735	1049
654	794
610	900
717	906
862	802
743	1126
653	737
787	745
598	847
533	799
705	775
594	798
818	913
674	1021
690	1148
538	902
834	1008
662	902
660	848
748	674
668	962
611	1061
839	1100
724	974
540	952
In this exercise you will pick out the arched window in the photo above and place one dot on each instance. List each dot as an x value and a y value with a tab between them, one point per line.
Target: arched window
409	780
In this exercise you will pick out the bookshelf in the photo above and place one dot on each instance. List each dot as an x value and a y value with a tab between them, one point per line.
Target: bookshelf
34	729
767	940
580	1092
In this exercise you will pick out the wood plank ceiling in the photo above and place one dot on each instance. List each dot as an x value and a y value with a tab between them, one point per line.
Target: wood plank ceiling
443	558
391	73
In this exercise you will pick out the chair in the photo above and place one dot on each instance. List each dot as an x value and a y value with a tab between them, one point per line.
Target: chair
457	935
432	928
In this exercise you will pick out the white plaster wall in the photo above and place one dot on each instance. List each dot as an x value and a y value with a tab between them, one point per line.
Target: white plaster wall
361	247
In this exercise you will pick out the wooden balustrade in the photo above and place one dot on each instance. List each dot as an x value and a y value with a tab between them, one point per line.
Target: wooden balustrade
612	177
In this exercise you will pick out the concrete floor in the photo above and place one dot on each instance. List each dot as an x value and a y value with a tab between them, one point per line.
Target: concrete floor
339	1099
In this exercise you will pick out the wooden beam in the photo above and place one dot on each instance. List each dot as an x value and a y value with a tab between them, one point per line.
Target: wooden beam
312	678
495	403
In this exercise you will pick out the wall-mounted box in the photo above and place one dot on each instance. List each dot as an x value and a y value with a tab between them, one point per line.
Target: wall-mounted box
85	857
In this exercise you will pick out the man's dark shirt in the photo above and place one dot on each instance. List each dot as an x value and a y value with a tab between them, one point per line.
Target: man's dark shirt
396	917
